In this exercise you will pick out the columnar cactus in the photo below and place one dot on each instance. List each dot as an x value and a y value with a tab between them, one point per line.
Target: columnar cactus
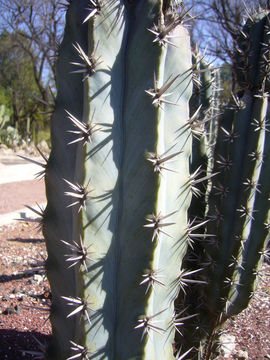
119	225
204	112
237	213
242	159
116	219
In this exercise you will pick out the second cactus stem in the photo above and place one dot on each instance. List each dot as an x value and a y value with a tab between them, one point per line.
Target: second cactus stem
237	200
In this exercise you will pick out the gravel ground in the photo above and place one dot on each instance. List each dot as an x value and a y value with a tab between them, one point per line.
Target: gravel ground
25	295
249	331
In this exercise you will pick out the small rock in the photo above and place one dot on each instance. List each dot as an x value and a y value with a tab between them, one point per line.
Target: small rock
228	345
17	309
5	150
3	147
20	296
38	278
9	311
241	355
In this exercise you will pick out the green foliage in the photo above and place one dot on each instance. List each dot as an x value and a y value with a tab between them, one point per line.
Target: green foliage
16	85
4	115
10	136
40	135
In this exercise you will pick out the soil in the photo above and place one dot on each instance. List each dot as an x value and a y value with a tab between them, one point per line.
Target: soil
251	328
24	292
25	303
18	194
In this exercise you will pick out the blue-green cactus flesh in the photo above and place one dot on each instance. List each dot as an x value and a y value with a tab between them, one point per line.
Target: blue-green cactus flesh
115	177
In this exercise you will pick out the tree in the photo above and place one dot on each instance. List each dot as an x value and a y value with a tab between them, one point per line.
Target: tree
215	26
16	81
217	22
37	27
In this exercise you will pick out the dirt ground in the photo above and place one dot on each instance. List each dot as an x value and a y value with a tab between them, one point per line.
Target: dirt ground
25	303
24	292
21	193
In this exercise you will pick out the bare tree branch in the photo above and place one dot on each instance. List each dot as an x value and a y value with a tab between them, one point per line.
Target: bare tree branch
41	23
219	21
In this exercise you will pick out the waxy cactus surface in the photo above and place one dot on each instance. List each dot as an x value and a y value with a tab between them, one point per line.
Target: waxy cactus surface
116	180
